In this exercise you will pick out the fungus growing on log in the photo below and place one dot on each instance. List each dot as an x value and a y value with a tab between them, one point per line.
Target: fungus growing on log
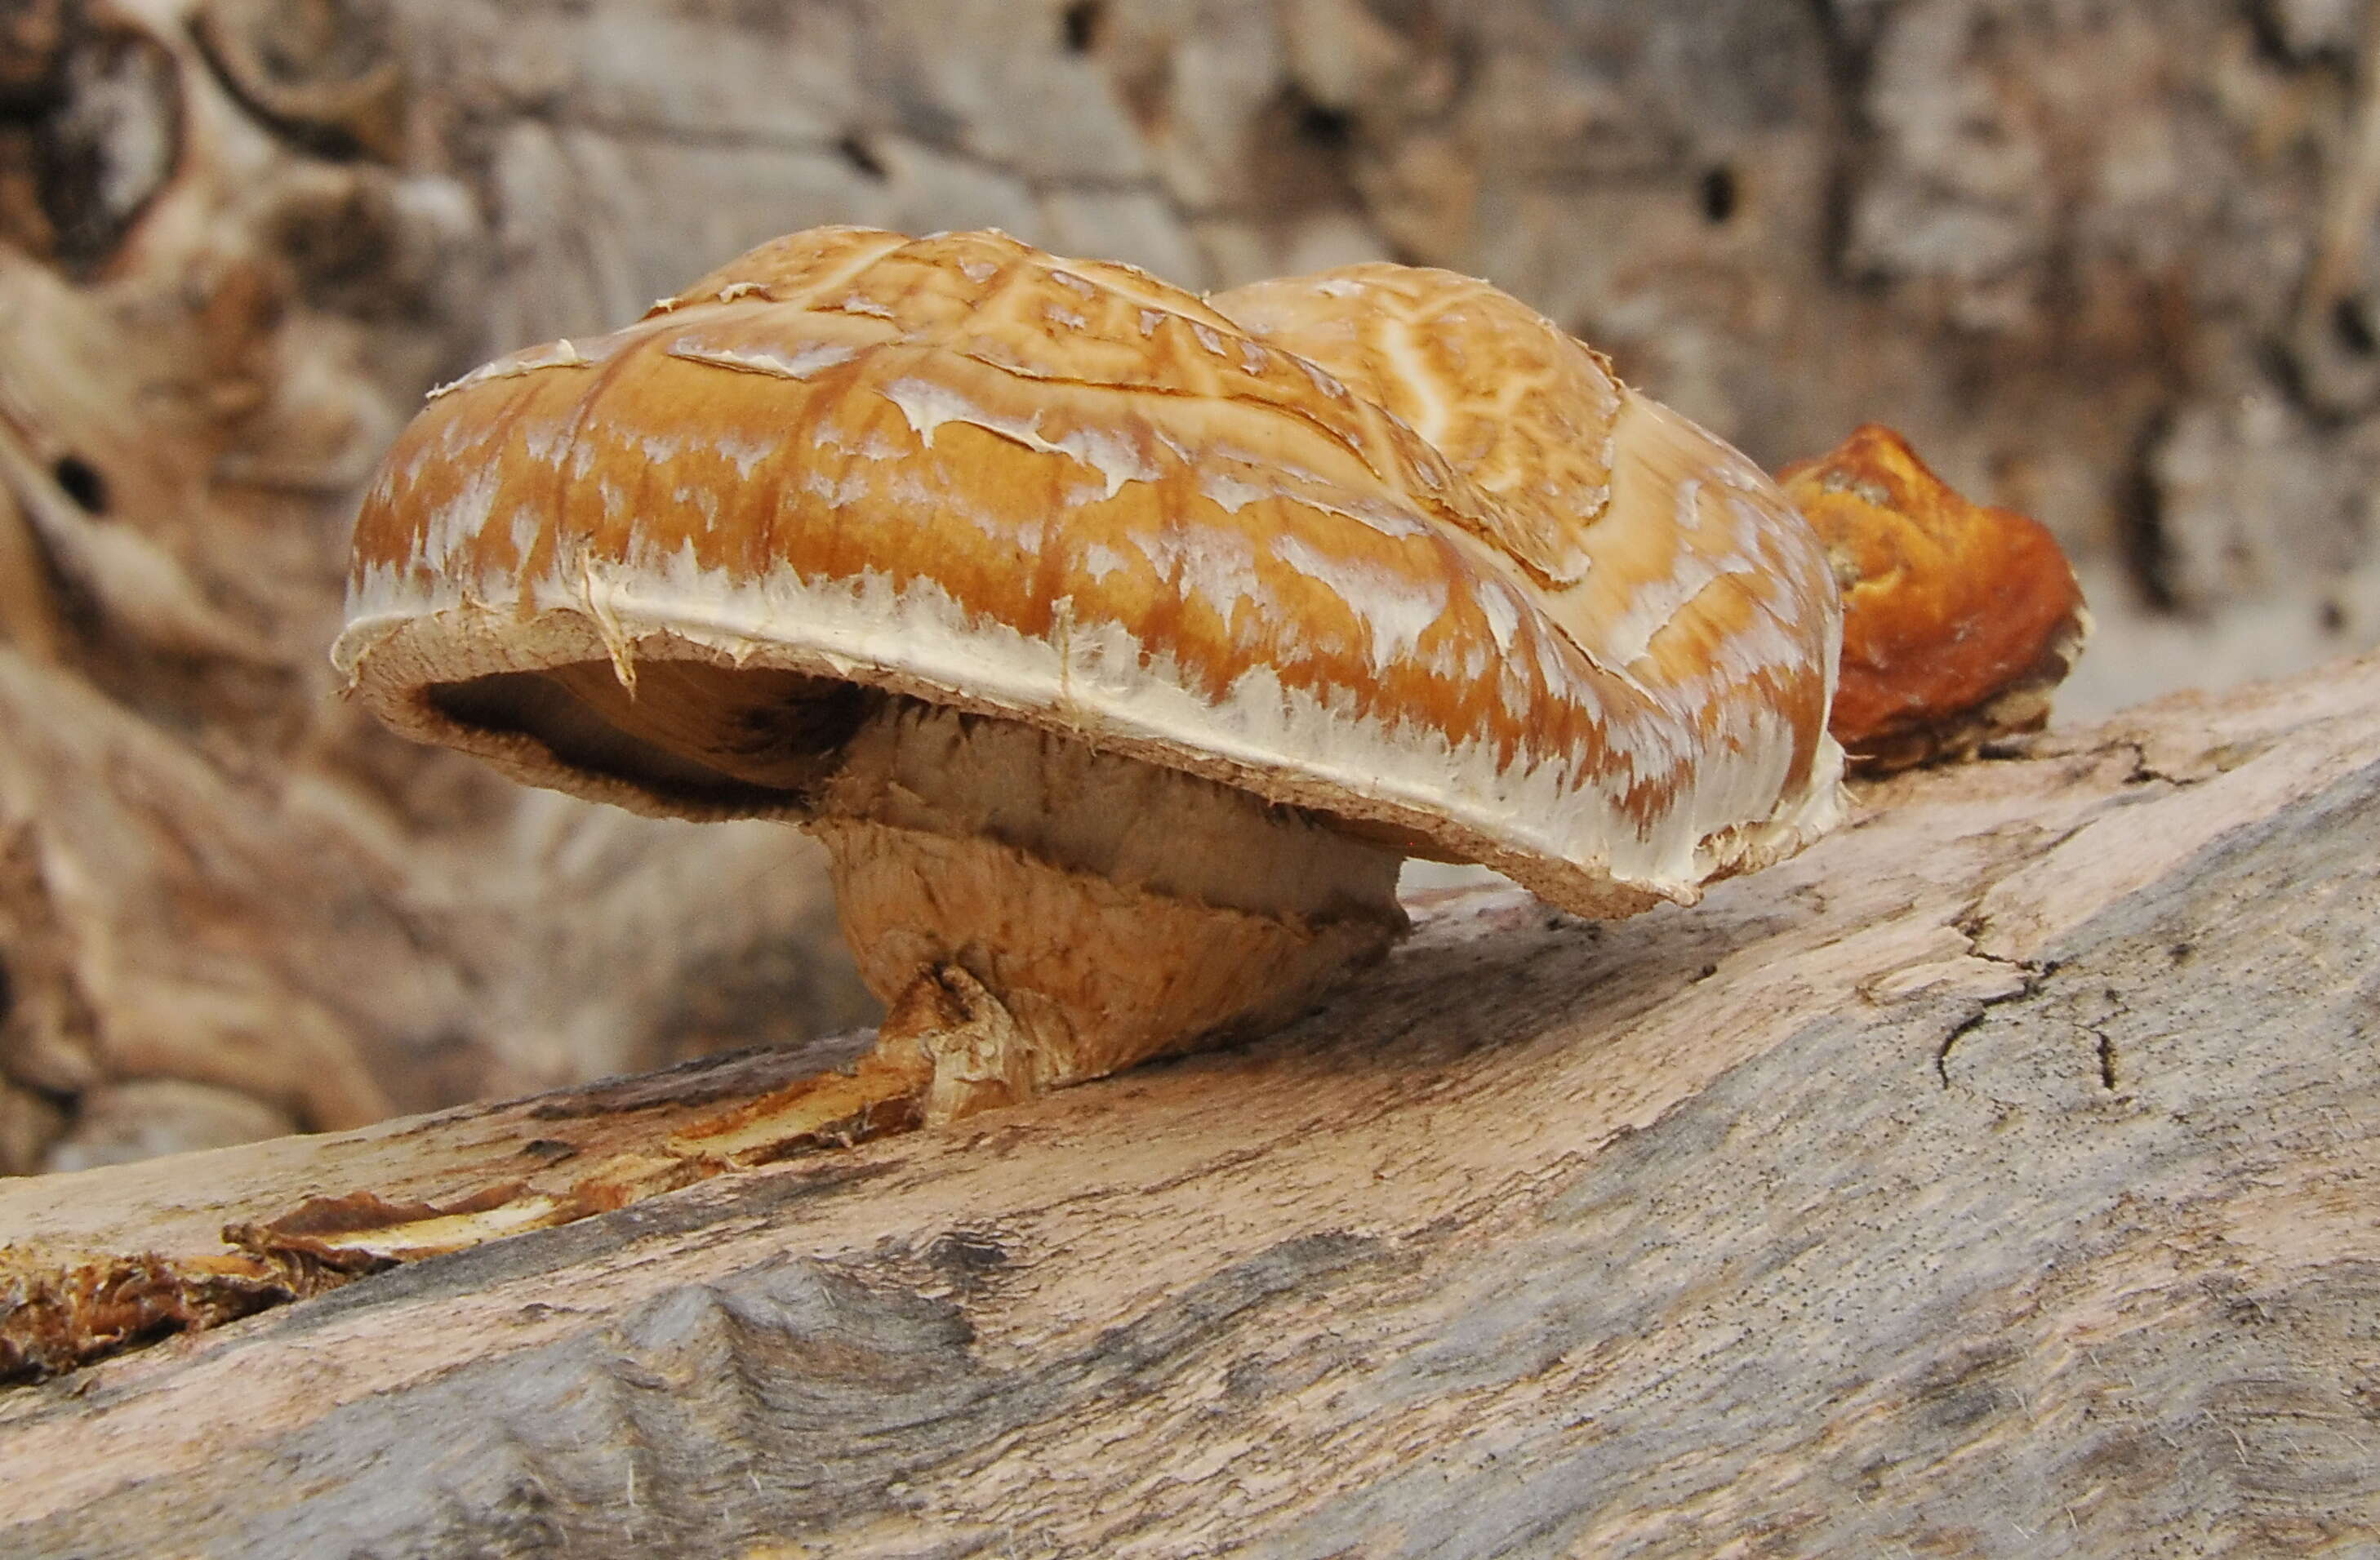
1958	620
1116	643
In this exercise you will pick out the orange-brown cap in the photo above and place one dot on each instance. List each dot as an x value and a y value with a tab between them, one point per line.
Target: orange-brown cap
1460	588
1958	620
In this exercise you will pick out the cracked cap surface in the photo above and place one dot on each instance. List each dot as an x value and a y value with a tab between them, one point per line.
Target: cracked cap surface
1379	543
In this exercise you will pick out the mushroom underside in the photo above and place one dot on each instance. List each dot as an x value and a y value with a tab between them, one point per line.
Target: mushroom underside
1108	910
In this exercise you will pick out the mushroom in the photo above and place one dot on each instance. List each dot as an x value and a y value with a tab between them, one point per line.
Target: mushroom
1958	620
1117	644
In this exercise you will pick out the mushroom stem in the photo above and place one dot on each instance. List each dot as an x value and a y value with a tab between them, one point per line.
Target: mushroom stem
1036	912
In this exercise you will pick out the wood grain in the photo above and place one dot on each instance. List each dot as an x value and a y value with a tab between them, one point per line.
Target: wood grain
1997	1178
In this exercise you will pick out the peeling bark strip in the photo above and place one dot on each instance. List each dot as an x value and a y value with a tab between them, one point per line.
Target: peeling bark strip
54	1320
1555	1238
435	1181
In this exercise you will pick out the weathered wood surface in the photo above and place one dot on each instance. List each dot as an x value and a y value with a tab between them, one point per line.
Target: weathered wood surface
2001	1177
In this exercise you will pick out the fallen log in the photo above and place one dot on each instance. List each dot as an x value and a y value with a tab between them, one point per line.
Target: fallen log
2000	1177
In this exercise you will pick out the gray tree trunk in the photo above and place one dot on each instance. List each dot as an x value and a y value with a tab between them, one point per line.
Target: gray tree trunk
1995	1178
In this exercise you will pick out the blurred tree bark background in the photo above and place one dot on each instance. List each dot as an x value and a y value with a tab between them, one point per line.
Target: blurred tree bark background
2106	260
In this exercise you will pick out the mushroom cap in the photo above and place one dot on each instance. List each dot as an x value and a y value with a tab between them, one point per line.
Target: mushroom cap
1381	544
1961	620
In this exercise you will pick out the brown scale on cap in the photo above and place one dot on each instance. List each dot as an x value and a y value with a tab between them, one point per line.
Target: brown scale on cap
1958	620
1117	643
